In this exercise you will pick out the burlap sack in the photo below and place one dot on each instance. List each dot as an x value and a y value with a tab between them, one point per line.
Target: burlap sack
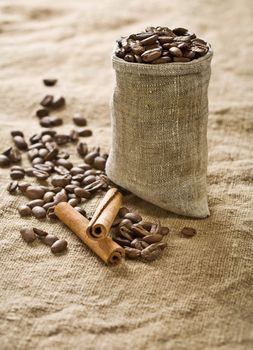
159	125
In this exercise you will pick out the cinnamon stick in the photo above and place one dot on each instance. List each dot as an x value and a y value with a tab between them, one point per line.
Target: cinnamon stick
109	251
105	214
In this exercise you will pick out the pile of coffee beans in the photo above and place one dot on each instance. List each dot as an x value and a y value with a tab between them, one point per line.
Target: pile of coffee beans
140	239
57	245
157	45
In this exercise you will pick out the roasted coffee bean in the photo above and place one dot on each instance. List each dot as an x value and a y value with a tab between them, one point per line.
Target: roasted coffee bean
89	158
123	211
43	152
134	217
152	238
50	121
70	188
99	163
137	50
49	239
51	155
62	139
150	40
82	149
116	221
163	59
42	112
20	142
33	153
129	58
180	31
7	152
12	187
47	101
81	211
82	193
145	224
151	55
34	192
36	146
164	230
48	132
126	222
59	246
63	155
40	232
181	59
175	51
17	133
23	186
58	102
49	82
77	173
89	180
136	243
65	163
79	120
40	174
51	213
60	197
90	172
144	244
24	210
49	205
132	253
74	202
126	233
35	203
122	242
39	212
47	138
17	175
37	160
165	39
28	234
139	230
85	133
61	181
44	167
4	161
188	231
48	197
29	171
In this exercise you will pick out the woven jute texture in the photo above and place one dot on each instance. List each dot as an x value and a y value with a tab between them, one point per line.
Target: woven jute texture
199	295
159	133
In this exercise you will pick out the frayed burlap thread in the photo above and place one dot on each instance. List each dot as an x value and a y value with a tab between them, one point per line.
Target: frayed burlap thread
159	133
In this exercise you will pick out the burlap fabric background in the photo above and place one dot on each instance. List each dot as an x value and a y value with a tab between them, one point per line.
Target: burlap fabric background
199	294
159	125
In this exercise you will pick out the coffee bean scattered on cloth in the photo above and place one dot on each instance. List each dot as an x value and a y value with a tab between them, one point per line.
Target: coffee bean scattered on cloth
198	295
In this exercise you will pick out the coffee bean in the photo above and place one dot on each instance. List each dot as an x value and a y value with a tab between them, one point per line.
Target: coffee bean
65	163
122	242
58	102
181	59
162	60
81	211
89	180
99	163
82	193
61	181
35	203
49	82
180	31
152	238
125	233
49	239
60	197
126	222
89	158
82	149
42	112
152	255
4	161
24	210
17	133
27	234
165	39
40	232
36	146
132	253
29	171
164	230
175	51
59	246
17	175
20	142
134	217
51	154
145	224
151	55
79	120
90	172
43	151
123	211
37	160
48	197
74	202
34	192
47	101
129	58
136	243
50	121
39	212
139	231
12	187
40	174
85	133
51	213
62	139
188	231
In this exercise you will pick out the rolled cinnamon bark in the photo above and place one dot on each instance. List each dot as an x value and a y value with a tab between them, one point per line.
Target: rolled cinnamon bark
109	251
105	214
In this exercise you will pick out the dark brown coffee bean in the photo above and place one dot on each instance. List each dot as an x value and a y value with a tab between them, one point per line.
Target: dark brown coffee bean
23	186
175	51
65	163
180	31
60	197
89	180
164	230
43	152
188	231
61	181
99	163
29	172
136	243
59	246
165	39
134	217
12	187
48	197
17	133
50	239
33	153
90	172
4	161
49	82
43	167
36	146
151	55
85	133
34	192
51	213
183	46
141	36
162	60
139	230
137	50
42	112
82	149
122	242
145	224
132	253
144	244
40	232
17	175
189	54
129	58
50	121
150	40
41	175
58	102
123	211
49	205
7	152
47	101
27	234
81	211
82	193
62	139
39	212
20	142
48	132
126	222
79	120
181	59
74	202
152	238
47	138
37	160
35	203
24	210
125	233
